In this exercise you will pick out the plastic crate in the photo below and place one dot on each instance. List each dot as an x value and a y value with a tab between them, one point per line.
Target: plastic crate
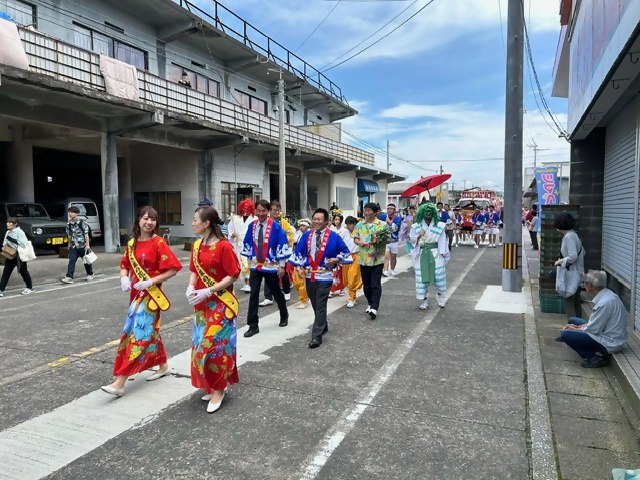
551	303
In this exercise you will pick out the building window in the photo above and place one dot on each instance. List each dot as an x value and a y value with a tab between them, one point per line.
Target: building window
251	102
97	42
228	200
21	12
198	82
345	198
167	204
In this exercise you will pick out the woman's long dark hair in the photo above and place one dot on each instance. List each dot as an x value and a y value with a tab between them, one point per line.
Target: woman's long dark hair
211	214
142	211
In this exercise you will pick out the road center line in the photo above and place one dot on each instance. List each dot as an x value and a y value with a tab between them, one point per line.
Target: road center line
347	422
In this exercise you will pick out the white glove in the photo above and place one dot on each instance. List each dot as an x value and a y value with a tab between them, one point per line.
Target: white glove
125	284
199	296
143	285
190	290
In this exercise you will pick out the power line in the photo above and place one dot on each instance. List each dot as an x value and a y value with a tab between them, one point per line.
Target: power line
318	26
381	38
367	38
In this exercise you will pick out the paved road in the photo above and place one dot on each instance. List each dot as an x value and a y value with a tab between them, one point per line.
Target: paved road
412	395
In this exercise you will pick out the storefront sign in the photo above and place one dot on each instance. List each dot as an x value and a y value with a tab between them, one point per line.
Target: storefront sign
547	185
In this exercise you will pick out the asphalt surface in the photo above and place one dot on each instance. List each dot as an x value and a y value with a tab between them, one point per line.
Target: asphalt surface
412	395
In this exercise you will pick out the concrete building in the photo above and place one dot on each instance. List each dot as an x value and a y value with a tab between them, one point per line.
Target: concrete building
158	102
598	69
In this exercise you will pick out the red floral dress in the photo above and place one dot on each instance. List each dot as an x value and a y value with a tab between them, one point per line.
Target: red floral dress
141	346
213	343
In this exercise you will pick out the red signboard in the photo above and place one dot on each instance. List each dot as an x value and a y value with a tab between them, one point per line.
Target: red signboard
478	194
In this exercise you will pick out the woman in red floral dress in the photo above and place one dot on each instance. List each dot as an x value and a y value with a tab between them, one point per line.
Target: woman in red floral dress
214	268
147	263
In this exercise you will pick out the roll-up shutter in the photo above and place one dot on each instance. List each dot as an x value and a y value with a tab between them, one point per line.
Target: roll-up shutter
618	224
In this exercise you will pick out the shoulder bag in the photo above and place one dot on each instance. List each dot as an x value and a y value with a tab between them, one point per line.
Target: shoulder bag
27	253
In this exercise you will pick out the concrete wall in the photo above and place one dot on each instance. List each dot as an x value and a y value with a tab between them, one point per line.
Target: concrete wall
347	180
248	167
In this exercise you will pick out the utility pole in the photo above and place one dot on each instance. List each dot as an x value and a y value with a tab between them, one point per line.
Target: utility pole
534	146
282	163
388	162
512	234
441	184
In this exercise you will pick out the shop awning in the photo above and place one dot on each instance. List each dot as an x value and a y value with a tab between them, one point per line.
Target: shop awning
367	186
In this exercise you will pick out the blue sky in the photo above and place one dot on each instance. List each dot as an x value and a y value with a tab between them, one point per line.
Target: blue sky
435	88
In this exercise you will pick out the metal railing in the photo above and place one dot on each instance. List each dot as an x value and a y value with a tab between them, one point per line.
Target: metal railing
236	27
53	57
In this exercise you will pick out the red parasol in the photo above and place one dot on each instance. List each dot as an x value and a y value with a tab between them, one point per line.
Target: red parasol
426	183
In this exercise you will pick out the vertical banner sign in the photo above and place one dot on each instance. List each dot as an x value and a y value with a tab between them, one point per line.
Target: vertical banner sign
548	186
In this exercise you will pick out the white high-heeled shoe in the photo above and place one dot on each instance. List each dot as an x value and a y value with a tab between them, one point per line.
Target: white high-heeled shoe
214	407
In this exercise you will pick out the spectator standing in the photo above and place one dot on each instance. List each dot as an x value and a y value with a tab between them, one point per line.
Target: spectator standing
534	228
184	81
79	244
572	256
14	238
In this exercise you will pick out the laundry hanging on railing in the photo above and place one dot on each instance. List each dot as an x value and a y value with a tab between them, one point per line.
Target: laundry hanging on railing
11	50
120	79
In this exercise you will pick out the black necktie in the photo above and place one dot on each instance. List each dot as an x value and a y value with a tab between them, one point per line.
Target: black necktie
260	252
318	241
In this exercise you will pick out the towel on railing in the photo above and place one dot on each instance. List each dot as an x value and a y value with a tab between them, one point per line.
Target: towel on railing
120	79
11	50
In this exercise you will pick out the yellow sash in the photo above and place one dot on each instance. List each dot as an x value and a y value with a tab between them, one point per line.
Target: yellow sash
225	296
158	298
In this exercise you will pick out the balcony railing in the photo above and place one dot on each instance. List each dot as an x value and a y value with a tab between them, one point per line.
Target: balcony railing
69	63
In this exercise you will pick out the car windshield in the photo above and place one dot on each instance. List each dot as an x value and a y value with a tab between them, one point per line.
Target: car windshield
86	209
26	210
469	204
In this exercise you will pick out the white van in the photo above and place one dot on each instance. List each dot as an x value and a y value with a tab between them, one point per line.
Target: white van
88	212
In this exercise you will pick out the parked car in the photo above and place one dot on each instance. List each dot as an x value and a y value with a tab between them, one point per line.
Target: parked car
88	212
36	223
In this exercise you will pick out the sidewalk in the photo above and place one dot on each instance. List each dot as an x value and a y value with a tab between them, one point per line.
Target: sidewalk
594	428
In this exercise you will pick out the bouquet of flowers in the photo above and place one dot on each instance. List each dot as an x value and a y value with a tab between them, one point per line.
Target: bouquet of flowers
380	235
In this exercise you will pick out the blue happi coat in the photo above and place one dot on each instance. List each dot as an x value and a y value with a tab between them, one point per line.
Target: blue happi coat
278	248
336	248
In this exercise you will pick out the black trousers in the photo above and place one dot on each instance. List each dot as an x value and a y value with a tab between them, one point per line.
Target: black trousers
318	294
371	284
534	239
255	281
9	265
449	234
286	287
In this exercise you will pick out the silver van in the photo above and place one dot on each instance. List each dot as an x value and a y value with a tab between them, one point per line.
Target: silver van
88	212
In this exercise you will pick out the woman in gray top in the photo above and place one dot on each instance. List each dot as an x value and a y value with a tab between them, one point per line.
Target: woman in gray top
15	237
572	257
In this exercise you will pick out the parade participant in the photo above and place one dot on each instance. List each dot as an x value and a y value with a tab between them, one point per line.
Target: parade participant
450	223
337	288
460	234
478	221
405	226
237	229
205	202
14	238
572	256
318	253
214	268
393	221
371	236
351	271
430	255
78	235
299	277
606	330
267	248
147	262
493	220
275	212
